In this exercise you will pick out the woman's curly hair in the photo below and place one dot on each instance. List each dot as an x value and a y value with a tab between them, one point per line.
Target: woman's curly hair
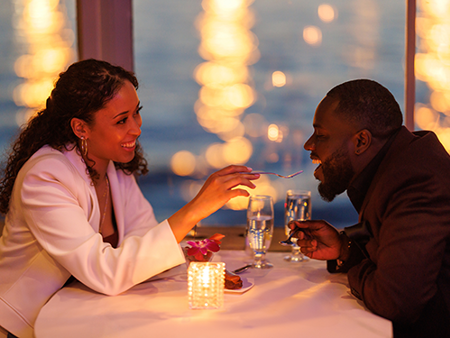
82	90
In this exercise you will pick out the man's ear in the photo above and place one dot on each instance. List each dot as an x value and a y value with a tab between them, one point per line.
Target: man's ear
362	141
79	128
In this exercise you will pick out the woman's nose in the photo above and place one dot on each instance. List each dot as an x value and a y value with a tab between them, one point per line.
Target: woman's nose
135	128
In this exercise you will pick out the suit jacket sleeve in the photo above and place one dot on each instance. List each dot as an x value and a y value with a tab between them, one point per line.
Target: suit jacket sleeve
408	214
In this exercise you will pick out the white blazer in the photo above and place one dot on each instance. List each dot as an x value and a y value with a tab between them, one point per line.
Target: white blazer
51	232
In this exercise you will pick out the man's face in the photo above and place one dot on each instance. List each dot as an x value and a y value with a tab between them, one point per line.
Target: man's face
330	147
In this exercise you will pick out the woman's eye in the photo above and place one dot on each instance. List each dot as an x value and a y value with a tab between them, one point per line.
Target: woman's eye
122	121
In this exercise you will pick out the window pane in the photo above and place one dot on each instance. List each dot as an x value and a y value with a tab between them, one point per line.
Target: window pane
432	110
36	44
238	82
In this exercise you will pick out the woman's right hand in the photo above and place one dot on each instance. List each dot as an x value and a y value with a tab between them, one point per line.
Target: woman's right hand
218	189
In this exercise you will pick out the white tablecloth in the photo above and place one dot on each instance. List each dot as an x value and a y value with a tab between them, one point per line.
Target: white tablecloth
298	299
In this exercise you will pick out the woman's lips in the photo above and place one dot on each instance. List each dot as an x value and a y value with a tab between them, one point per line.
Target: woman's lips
129	146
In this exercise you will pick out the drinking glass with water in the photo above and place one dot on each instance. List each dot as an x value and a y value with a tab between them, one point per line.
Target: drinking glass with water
297	208
260	228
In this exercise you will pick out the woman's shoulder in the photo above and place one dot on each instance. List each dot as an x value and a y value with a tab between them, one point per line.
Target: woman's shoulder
49	159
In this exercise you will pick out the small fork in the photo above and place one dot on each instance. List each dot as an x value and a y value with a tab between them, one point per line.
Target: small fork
271	173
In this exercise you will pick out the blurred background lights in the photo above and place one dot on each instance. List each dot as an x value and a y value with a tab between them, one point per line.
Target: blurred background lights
183	163
273	132
264	187
432	66
237	151
278	79
312	35
42	26
326	13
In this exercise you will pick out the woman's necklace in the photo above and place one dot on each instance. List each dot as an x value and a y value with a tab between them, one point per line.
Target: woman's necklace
106	193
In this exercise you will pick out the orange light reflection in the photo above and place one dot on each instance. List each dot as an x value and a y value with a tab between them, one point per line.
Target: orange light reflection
42	26
432	65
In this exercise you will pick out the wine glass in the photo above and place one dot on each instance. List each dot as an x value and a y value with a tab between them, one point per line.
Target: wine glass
260	228
297	208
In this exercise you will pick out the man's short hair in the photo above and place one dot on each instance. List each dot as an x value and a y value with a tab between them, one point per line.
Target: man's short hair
368	105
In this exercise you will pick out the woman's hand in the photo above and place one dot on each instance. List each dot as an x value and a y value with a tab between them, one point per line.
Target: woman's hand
318	239
217	190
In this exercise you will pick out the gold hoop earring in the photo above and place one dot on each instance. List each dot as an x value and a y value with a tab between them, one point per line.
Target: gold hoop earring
84	146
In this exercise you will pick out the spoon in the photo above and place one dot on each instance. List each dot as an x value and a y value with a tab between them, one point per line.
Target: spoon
271	173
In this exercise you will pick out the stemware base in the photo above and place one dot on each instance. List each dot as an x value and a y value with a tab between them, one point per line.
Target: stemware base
262	265
296	258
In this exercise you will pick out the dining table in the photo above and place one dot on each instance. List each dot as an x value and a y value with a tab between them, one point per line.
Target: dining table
299	299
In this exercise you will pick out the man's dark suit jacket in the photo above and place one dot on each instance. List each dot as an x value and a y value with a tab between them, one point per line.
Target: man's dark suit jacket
405	276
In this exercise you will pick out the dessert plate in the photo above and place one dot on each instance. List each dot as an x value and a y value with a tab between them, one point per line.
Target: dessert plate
247	284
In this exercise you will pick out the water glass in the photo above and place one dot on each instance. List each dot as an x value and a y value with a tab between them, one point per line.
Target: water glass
297	208
260	228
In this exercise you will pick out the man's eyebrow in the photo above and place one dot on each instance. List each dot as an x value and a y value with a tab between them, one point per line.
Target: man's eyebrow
126	112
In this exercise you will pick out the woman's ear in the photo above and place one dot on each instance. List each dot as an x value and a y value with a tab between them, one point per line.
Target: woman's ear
79	128
362	141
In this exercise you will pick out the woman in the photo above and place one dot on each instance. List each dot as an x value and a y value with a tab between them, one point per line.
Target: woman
72	205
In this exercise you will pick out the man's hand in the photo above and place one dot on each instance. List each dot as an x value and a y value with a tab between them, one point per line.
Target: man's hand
318	239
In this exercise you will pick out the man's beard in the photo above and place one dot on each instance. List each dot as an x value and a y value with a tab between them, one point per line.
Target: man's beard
337	173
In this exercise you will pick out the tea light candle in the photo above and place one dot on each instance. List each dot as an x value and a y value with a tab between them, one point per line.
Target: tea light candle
206	284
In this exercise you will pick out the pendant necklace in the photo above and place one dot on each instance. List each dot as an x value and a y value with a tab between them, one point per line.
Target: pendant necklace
106	193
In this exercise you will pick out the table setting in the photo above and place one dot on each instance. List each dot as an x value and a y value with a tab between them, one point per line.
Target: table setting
223	293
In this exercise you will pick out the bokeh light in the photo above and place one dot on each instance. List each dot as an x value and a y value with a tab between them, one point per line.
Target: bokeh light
312	35
278	79
42	26
229	47
326	12
183	163
432	66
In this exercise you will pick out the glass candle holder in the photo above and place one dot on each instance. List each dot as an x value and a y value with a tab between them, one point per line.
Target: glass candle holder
206	284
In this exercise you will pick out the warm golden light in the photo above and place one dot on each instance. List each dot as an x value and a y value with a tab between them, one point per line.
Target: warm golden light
426	118
312	35
183	163
206	285
42	24
432	65
326	13
263	187
237	151
273	132
278	79
229	47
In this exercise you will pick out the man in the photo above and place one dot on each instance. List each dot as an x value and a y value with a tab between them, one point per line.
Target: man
398	255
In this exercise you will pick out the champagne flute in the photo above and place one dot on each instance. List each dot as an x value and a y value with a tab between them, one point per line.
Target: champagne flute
260	228
297	208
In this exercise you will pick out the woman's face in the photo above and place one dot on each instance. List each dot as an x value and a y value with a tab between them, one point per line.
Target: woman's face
115	129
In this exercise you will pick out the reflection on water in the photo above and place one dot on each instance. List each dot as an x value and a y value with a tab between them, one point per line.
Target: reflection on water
229	47
41	26
433	67
254	93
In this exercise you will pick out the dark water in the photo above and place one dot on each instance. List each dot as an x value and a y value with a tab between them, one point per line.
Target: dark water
366	40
